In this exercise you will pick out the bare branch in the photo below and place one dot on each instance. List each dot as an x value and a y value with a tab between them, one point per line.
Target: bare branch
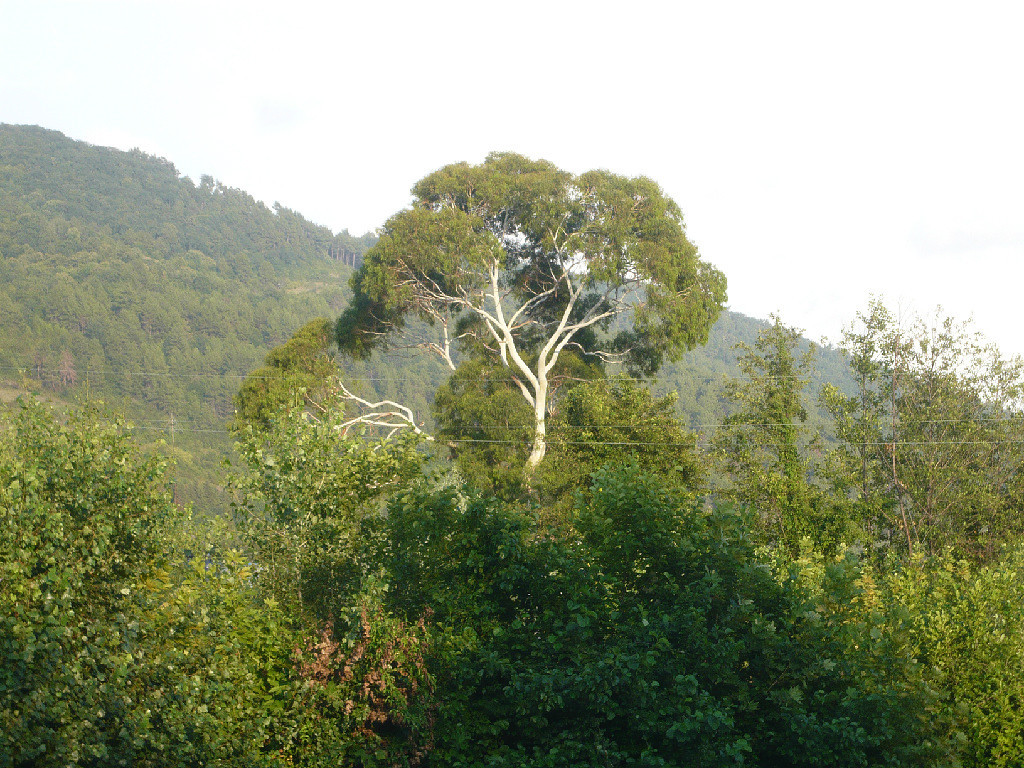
607	357
530	303
385	414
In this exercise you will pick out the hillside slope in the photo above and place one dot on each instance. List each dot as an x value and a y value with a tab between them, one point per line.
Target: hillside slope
122	280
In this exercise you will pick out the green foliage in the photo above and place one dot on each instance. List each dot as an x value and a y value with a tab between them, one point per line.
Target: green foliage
483	417
455	631
309	505
929	455
481	414
210	680
764	447
304	362
79	526
611	422
365	699
126	639
309	490
131	635
488	426
657	639
967	623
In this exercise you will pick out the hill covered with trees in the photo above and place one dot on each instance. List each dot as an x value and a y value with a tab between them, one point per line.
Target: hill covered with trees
121	280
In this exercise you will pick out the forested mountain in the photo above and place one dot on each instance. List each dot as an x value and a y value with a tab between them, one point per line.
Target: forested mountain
122	280
701	376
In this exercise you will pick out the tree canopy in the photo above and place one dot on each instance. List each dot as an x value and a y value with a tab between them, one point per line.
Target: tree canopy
522	261
764	444
930	438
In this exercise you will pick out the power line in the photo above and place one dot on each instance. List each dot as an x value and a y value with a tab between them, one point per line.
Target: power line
553	440
880	443
218	374
420	380
642	423
186	427
757	425
179	429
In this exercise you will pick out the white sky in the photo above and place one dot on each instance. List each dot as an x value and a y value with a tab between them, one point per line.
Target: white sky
820	151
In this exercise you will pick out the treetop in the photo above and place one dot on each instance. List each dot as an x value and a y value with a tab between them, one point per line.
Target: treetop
536	254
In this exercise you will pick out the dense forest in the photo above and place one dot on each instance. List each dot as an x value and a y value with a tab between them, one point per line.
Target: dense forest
508	485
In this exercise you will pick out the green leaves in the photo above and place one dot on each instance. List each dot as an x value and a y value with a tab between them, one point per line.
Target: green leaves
519	262
966	623
616	422
658	637
304	362
764	447
80	517
928	435
530	219
127	634
309	492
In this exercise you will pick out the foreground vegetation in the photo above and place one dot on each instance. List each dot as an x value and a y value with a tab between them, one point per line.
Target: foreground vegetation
368	610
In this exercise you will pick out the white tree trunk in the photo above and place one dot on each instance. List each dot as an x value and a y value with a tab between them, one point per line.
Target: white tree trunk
540	444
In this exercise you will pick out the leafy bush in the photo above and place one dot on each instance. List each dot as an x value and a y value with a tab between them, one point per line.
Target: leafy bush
79	518
967	623
657	639
304	503
359	691
128	635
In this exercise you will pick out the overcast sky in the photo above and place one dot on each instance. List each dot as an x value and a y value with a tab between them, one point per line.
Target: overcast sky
820	151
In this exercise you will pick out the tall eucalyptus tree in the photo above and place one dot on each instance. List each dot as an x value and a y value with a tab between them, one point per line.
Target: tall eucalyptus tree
526	263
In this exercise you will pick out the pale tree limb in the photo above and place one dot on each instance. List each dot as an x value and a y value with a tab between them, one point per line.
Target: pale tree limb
605	357
384	414
498	318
